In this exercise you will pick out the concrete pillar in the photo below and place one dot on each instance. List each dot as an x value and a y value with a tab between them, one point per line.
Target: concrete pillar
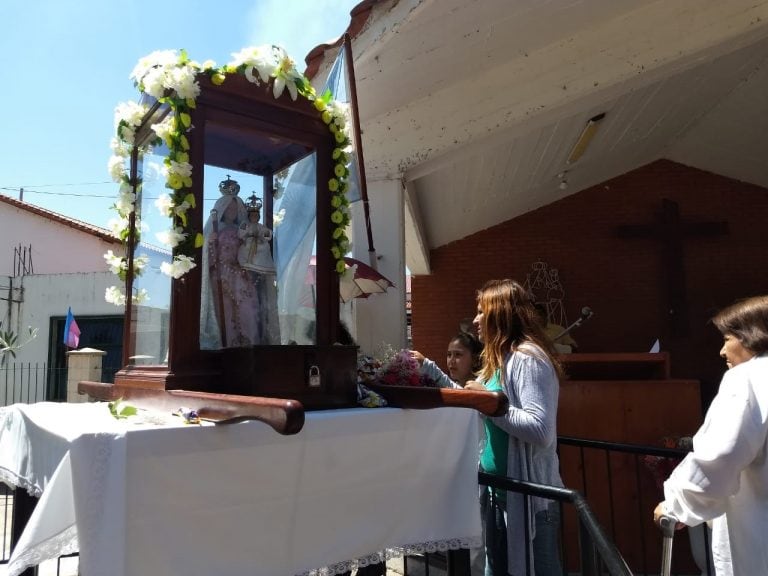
82	365
380	319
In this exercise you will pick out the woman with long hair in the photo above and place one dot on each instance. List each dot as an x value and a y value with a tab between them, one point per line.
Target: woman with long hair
725	478
519	360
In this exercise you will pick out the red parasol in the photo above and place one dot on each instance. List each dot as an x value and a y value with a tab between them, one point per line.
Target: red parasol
358	281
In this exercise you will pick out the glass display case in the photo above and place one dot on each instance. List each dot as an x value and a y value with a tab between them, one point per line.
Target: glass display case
259	312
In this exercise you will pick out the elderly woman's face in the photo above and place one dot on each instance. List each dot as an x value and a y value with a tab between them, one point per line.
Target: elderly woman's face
734	352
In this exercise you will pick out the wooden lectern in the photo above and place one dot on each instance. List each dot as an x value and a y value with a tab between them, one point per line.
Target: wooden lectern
626	398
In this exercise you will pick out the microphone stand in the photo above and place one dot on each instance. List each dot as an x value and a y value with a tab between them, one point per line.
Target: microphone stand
579	321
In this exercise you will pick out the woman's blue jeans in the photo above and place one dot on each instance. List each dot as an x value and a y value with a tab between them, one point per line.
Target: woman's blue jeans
546	547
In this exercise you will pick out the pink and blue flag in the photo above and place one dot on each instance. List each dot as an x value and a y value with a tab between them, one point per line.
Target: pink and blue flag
71	331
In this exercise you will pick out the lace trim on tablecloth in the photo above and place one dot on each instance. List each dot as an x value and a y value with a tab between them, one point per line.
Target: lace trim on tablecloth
60	545
396	552
16	481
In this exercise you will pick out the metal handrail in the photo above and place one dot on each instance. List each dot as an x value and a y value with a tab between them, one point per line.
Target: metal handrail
619	447
592	534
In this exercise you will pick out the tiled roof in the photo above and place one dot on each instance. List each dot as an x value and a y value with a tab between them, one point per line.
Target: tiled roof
358	17
101	233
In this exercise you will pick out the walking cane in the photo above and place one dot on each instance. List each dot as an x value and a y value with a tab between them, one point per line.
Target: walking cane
667	524
220	293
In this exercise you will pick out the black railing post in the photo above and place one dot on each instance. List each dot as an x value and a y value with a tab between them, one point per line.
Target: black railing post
458	563
23	505
587	552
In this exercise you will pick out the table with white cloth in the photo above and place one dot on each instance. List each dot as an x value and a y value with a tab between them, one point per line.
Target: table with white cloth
154	496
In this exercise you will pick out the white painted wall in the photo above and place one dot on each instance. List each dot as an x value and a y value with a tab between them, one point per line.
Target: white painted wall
49	295
380	319
56	248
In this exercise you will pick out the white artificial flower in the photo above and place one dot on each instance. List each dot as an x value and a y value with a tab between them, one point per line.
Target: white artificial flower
117	147
159	58
116	167
116	263
115	296
127	134
117	226
341	112
207	65
141	296
164	204
285	74
126	200
182	208
258	58
164	128
140	262
183	81
172	237
154	82
129	112
181	265
278	217
183	169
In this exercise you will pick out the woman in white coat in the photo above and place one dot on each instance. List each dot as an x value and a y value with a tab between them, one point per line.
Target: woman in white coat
725	478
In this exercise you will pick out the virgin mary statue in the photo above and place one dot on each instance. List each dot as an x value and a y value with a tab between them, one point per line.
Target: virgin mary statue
229	311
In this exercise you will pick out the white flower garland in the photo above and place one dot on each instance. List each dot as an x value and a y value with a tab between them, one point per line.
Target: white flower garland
171	78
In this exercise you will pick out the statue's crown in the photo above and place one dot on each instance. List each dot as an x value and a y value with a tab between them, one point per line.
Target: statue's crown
254	203
229	187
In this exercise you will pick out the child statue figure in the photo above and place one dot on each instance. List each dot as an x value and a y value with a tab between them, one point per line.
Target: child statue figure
255	256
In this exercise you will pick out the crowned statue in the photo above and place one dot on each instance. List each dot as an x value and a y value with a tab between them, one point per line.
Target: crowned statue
255	255
238	275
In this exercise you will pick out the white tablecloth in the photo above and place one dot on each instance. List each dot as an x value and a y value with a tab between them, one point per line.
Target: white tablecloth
240	499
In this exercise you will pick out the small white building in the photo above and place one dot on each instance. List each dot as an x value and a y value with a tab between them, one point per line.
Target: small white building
49	263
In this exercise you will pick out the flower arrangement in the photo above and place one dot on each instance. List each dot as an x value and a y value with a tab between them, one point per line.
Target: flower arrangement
661	467
171	78
396	368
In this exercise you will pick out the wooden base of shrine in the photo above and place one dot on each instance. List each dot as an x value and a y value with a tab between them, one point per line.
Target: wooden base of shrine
320	377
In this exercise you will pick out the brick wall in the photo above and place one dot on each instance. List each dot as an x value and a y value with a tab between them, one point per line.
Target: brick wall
621	279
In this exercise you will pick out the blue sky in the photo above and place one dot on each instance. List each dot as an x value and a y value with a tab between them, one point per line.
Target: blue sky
65	66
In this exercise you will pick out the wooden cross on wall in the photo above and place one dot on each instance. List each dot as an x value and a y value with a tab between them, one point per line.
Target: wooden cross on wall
671	231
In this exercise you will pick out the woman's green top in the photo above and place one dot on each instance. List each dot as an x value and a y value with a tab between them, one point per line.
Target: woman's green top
493	458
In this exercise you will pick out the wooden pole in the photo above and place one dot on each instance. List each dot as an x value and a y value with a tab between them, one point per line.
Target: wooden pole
359	144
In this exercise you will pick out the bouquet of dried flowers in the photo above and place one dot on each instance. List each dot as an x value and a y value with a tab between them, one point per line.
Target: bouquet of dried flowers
661	467
393	368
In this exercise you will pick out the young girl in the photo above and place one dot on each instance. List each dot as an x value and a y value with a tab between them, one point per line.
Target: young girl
462	359
519	360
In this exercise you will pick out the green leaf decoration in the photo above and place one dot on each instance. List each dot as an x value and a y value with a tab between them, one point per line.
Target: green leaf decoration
121	410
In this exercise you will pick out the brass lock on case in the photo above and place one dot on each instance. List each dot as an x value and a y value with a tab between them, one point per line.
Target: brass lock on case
314	377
